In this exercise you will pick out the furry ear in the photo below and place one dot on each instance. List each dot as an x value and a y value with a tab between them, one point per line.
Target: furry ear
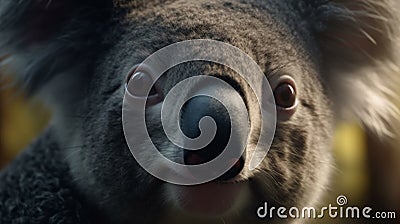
359	40
43	38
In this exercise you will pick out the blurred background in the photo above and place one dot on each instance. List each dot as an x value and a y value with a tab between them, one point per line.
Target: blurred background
367	171
21	120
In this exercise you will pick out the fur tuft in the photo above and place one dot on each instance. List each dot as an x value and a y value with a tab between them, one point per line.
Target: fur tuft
359	41
43	38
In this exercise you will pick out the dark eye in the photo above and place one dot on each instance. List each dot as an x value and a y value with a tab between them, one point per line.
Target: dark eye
285	95
138	83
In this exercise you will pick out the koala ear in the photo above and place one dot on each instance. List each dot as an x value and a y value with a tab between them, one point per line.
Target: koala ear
43	38
359	40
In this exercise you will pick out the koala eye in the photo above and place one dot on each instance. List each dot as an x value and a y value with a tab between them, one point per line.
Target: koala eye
285	95
138	83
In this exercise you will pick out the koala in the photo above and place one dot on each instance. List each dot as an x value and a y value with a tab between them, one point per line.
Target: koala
324	60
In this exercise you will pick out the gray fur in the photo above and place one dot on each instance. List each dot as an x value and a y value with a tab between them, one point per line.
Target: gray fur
341	53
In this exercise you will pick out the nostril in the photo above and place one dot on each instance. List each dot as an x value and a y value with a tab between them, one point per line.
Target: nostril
192	158
234	171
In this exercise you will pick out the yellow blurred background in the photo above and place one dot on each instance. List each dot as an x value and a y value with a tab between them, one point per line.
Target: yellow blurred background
21	120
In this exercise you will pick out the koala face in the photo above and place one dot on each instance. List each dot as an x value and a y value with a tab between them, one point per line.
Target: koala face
297	165
291	41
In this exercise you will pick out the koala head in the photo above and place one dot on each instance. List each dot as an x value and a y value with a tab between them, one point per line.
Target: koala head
322	59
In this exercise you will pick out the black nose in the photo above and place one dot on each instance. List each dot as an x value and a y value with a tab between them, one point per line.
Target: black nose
192	112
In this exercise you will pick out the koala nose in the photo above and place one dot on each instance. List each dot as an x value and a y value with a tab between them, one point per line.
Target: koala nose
192	112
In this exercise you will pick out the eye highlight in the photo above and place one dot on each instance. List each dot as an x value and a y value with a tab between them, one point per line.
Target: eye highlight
138	83
285	94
